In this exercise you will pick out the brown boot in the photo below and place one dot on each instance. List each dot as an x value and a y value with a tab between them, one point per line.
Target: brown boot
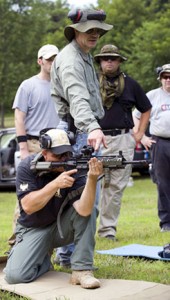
85	278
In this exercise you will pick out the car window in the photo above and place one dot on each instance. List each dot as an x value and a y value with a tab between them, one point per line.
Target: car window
8	147
5	139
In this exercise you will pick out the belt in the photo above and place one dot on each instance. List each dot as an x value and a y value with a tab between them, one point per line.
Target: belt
32	137
161	137
114	132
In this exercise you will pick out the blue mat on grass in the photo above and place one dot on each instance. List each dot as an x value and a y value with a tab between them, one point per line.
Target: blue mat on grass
142	251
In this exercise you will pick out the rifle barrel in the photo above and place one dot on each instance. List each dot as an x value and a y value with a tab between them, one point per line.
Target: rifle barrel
136	162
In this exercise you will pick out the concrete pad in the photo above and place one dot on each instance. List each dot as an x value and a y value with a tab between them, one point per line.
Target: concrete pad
55	285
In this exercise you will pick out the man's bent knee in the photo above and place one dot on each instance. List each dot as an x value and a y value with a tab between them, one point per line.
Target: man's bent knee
19	276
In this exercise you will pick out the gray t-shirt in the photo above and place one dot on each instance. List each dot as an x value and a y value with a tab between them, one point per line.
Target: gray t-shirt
160	112
33	97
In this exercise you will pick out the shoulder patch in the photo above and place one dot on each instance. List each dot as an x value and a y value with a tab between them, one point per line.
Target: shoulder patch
24	186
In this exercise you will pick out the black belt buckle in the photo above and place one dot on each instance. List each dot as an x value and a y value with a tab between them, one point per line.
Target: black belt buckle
117	132
114	132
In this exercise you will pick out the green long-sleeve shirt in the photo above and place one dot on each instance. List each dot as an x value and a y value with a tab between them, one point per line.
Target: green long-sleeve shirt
75	87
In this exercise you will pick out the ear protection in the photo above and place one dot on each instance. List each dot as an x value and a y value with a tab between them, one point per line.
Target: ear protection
46	142
77	14
158	70
45	139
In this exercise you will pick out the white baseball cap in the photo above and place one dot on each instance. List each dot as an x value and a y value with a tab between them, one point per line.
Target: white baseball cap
47	51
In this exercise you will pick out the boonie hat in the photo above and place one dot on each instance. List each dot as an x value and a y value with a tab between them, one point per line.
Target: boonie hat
47	51
58	141
163	69
109	50
86	19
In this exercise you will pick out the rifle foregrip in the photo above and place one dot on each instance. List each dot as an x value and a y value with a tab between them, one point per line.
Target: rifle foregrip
106	177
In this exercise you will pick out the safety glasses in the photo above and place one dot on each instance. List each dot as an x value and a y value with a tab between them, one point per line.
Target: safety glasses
165	77
106	58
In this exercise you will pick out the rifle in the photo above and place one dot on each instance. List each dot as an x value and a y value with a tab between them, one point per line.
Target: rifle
80	162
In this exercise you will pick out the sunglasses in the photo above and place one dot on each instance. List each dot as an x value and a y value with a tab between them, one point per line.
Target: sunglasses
165	77
112	58
94	31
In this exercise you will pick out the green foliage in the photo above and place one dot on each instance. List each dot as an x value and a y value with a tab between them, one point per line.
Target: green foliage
125	16
150	43
57	21
141	31
25	26
20	37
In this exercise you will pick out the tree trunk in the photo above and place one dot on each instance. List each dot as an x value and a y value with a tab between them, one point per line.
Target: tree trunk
2	116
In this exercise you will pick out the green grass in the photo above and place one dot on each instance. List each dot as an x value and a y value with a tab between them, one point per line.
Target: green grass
9	120
6	296
7	204
138	224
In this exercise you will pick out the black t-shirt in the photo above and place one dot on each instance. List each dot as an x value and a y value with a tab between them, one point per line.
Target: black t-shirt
120	114
27	181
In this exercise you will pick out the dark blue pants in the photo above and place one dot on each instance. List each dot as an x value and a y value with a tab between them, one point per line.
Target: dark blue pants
160	154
